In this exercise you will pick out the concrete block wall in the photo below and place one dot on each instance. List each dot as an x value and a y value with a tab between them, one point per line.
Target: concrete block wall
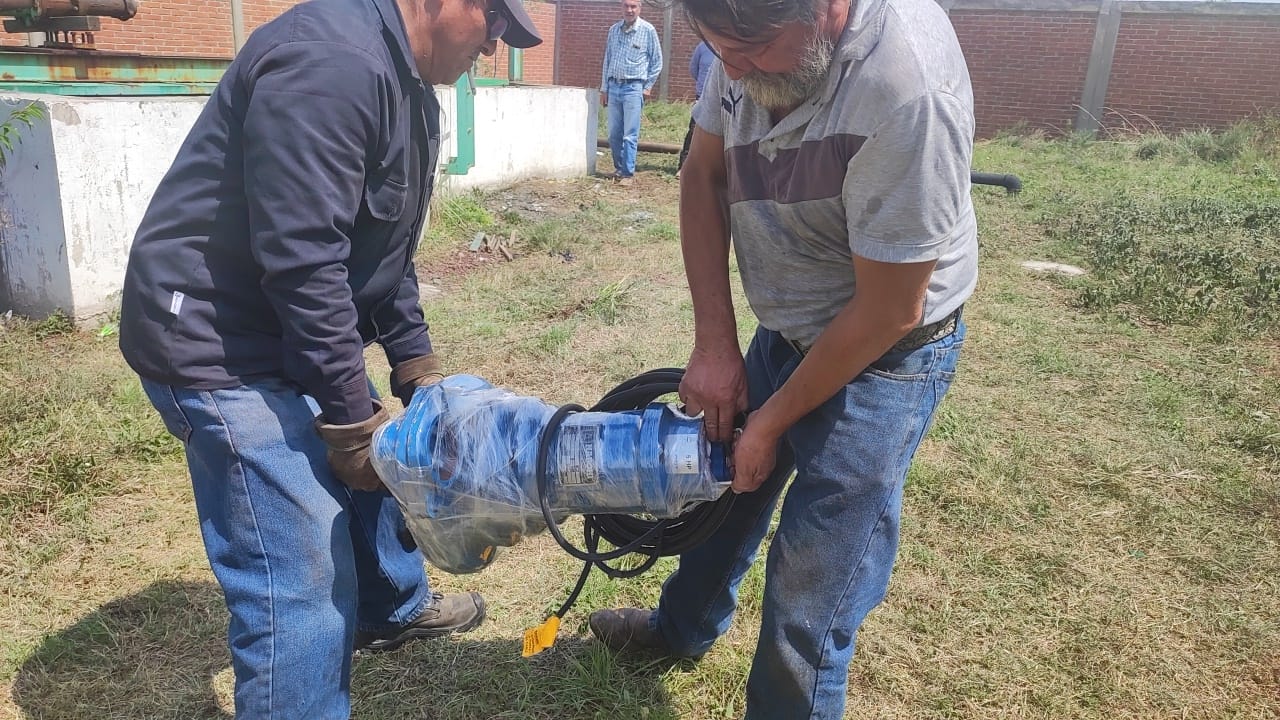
522	133
194	28
75	189
73	193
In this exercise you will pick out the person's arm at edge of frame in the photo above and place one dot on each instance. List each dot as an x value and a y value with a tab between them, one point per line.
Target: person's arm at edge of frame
715	382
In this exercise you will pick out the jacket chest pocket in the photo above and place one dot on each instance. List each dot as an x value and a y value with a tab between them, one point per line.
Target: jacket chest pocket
386	186
385	197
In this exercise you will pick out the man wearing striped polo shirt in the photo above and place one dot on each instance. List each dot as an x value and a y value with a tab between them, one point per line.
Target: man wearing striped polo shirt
632	63
833	144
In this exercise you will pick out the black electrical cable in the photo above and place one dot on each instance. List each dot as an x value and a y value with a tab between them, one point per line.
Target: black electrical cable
650	539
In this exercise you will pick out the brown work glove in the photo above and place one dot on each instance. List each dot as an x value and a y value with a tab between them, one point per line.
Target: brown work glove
412	374
349	449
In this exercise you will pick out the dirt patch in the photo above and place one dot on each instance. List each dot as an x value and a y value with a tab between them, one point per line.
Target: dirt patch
535	201
517	208
447	269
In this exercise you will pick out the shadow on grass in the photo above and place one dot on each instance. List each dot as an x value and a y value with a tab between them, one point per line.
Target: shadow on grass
149	655
155	655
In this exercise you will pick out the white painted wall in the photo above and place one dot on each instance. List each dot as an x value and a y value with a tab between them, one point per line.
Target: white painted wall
522	133
74	191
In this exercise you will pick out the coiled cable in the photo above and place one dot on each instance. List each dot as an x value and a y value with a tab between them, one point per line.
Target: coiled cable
628	534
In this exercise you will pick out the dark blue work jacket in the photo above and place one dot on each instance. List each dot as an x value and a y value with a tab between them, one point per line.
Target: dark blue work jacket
281	240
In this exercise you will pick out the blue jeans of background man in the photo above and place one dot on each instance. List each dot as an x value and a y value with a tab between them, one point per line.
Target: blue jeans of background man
300	557
626	100
830	558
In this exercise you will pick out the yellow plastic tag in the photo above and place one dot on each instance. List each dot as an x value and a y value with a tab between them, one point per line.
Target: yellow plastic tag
540	638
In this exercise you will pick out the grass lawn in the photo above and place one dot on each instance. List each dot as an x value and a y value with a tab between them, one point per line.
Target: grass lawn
1091	530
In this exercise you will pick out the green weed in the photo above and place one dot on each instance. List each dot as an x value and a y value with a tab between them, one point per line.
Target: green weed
612	300
1180	260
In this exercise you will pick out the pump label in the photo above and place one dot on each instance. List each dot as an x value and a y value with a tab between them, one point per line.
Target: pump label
578	456
682	454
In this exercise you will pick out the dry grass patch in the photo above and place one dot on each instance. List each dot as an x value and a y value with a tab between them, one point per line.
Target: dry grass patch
1090	528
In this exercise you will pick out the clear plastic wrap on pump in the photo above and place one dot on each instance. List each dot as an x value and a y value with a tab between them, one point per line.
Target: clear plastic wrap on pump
462	463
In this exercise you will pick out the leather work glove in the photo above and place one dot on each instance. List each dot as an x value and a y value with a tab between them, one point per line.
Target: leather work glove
349	449
412	374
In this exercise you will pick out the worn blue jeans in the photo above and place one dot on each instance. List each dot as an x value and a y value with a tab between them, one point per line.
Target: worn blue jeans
300	557
626	100
830	558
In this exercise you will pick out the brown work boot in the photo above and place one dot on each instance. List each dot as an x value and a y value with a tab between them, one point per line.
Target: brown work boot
629	630
447	614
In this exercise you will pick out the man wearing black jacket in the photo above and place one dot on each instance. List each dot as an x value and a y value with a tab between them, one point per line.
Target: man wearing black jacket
278	245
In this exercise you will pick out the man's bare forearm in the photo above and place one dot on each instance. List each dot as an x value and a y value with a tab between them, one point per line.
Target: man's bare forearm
878	315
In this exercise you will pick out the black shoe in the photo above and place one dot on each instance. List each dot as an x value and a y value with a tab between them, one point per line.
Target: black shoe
447	614
630	630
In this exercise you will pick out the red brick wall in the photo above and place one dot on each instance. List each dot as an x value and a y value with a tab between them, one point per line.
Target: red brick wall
1028	66
683	42
583	27
1025	66
539	62
177	27
1188	71
203	29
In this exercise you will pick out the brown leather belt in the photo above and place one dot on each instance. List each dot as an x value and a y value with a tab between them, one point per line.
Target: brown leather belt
915	339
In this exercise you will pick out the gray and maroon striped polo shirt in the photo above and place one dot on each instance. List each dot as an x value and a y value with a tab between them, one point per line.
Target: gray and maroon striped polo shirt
875	164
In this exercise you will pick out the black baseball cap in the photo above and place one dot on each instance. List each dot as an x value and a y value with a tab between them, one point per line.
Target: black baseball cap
521	33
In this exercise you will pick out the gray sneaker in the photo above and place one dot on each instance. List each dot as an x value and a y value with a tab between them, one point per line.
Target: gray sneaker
447	614
630	630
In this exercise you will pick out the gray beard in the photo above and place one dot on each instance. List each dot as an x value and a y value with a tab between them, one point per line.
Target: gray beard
783	91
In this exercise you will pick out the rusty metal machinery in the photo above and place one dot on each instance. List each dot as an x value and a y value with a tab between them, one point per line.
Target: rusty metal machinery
65	23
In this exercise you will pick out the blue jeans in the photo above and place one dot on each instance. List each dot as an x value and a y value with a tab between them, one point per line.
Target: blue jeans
626	99
830	558
300	557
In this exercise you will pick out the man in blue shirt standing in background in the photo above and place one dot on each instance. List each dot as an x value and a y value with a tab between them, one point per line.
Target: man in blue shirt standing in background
699	67
632	63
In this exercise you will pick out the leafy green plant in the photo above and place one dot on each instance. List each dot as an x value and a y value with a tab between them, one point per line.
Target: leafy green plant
58	323
1182	260
9	129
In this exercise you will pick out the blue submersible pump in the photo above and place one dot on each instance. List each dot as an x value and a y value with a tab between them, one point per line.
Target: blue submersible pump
475	468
